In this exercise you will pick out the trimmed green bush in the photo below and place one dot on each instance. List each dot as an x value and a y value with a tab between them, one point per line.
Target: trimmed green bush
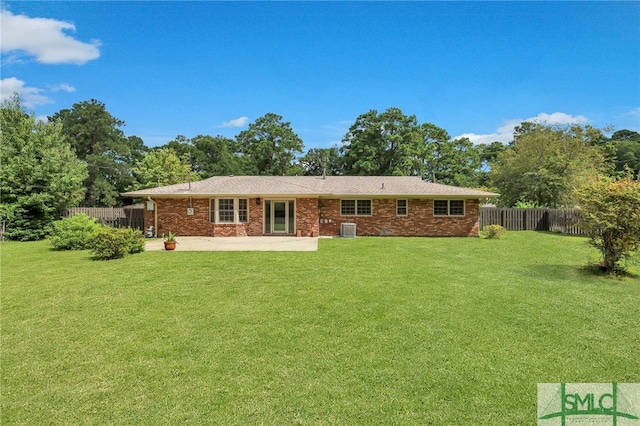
72	233
113	243
136	240
493	232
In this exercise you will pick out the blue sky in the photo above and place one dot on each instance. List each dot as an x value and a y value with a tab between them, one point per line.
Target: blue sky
475	69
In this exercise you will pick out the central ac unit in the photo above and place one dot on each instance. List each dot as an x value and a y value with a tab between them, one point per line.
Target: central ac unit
348	230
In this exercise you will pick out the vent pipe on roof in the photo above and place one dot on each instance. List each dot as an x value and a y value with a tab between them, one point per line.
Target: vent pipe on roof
382	185
324	173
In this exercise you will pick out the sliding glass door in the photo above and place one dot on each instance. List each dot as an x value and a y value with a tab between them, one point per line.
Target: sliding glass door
279	216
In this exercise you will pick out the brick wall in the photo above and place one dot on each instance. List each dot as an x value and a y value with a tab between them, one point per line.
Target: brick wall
172	216
420	220
307	216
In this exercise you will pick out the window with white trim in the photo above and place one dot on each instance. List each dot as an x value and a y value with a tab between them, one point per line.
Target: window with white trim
229	210
402	207
356	208
225	210
448	207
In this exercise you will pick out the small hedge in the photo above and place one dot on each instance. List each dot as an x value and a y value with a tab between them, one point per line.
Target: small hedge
72	233
493	232
113	243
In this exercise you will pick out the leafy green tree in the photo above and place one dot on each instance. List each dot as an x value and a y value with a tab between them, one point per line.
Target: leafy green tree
389	143
217	156
97	139
626	135
544	162
322	161
40	175
270	146
626	146
488	154
163	167
611	217
450	162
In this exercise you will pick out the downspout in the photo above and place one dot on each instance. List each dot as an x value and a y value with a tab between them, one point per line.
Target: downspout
155	216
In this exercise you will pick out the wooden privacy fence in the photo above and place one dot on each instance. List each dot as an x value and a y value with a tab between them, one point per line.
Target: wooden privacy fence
555	220
117	217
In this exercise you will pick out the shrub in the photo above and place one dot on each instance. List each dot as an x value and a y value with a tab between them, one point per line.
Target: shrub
72	233
113	243
493	232
610	210
136	240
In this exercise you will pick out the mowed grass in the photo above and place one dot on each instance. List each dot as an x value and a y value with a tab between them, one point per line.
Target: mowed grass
450	331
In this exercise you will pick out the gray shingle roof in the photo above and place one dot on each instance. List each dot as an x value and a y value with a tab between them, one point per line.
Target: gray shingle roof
310	186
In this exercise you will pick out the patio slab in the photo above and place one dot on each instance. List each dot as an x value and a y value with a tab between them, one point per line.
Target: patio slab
238	244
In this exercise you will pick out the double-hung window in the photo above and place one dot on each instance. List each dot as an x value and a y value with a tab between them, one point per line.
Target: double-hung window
229	210
402	207
356	208
448	207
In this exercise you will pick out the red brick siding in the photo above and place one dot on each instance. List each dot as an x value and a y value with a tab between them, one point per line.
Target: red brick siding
420	220
172	216
318	216
307	216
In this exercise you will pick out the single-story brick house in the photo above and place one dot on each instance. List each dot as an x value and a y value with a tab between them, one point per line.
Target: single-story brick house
312	205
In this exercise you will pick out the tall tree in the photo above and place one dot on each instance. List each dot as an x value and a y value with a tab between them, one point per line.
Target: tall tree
162	167
389	143
271	146
216	156
449	161
40	175
544	162
97	139
626	145
322	161
488	154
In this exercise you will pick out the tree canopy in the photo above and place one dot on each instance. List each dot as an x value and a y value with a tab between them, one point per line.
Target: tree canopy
544	162
322	161
450	162
163	167
97	139
384	144
626	146
271	146
538	168
40	175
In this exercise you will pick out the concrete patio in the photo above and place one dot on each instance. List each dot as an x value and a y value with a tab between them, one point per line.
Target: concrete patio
238	244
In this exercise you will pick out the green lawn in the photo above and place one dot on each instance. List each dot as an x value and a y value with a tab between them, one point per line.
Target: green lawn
451	331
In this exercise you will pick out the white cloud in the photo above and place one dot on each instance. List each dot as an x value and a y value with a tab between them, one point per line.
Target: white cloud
64	87
30	96
236	122
504	133
46	39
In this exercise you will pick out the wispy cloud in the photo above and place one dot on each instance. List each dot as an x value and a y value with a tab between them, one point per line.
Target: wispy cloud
504	133
236	122
30	96
64	87
45	39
